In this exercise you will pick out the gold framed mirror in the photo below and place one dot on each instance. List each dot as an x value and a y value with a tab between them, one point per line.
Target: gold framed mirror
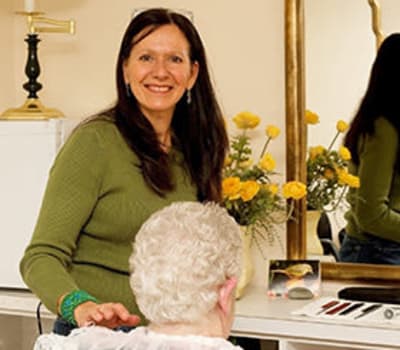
296	145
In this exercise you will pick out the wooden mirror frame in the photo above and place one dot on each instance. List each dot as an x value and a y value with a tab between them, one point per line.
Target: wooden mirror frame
296	146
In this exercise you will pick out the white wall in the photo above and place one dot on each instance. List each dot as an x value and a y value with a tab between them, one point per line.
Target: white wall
7	54
244	41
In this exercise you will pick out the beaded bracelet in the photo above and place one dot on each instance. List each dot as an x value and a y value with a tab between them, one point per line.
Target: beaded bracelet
71	301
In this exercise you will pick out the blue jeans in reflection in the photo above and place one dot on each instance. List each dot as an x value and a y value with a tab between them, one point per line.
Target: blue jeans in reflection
63	327
375	250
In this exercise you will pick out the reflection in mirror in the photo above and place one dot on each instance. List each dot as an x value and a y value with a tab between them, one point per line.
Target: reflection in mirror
338	60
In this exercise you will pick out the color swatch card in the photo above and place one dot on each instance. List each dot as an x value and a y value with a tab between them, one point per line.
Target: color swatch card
349	310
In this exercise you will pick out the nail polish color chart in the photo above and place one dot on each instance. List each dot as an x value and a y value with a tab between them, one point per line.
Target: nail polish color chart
341	310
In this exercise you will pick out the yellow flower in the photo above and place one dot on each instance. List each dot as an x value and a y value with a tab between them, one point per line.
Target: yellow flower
342	176
294	189
272	188
347	179
329	174
267	162
341	126
311	117
227	161
246	164
246	120
315	151
231	187
353	181
344	153
249	190
272	131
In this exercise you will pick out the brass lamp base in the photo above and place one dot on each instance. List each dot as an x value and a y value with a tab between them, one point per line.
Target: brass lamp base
32	109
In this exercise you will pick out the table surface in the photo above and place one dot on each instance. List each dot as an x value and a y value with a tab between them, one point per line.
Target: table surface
258	316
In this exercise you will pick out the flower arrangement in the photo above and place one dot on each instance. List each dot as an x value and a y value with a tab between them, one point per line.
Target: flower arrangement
249	193
327	175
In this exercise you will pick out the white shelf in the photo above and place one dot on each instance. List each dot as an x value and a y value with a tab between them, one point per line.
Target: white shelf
21	303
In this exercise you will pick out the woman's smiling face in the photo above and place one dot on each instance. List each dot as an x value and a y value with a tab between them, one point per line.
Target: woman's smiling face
159	70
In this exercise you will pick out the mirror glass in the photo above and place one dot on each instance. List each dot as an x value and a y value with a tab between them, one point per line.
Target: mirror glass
340	47
339	50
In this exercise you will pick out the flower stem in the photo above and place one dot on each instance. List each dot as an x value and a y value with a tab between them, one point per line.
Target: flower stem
265	147
333	141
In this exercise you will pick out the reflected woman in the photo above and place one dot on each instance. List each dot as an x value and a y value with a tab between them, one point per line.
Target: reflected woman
373	220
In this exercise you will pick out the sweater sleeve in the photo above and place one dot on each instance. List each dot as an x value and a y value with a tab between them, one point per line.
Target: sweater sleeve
70	196
376	171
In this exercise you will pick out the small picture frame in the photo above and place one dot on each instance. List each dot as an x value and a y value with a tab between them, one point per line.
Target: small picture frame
294	279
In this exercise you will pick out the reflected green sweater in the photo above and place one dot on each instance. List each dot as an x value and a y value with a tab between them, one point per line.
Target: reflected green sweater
94	204
375	206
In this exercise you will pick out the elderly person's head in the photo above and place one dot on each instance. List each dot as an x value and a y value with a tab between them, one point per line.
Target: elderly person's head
185	265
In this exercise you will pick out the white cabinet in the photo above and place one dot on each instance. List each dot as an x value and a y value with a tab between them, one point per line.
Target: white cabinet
27	150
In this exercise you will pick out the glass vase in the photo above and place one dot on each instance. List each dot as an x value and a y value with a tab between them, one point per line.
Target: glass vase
314	246
247	267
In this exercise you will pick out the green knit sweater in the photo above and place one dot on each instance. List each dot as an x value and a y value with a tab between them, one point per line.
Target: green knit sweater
375	206
94	204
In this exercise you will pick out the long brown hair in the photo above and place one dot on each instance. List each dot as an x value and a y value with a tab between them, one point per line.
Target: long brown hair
382	98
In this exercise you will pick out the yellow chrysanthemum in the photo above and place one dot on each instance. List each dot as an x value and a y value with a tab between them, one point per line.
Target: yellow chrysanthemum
246	164
231	187
246	120
249	190
344	153
272	131
311	117
341	126
294	189
267	162
315	151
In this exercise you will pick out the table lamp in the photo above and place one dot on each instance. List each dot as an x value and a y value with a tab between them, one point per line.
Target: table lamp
33	107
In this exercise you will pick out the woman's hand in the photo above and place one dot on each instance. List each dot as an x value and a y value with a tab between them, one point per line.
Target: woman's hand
109	315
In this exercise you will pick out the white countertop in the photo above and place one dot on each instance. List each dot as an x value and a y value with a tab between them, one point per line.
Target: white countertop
262	317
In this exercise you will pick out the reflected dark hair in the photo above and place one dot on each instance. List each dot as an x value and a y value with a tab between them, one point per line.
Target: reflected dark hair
382	98
198	128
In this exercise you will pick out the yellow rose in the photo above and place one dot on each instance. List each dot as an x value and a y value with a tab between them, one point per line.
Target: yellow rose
267	162
311	117
246	120
315	151
294	189
272	131
231	187
249	190
341	126
344	153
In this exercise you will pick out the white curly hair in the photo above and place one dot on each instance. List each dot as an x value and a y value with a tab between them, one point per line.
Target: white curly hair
181	255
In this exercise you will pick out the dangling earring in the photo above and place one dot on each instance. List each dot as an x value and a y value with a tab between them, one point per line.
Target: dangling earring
128	90
188	96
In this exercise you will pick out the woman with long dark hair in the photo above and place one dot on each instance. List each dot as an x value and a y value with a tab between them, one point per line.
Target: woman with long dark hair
373	221
163	141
